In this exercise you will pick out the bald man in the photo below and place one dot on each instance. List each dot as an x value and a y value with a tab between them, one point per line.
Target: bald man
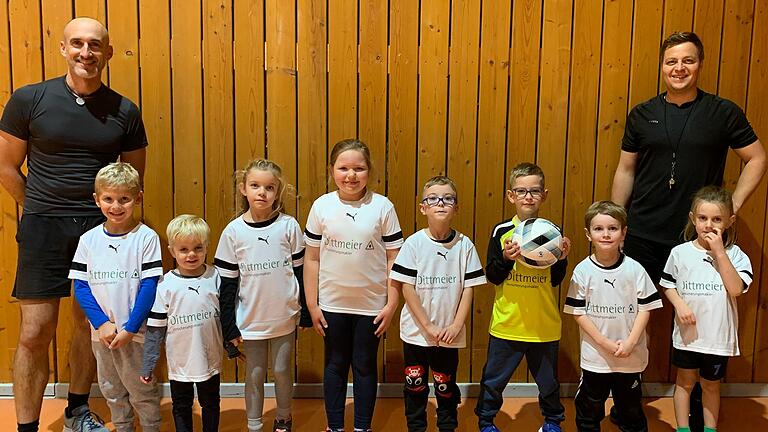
66	128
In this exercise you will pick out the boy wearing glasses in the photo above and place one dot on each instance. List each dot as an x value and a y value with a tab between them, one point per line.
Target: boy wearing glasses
436	270
526	312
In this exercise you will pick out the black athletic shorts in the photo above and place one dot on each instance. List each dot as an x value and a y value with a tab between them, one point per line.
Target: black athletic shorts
711	367
650	254
46	247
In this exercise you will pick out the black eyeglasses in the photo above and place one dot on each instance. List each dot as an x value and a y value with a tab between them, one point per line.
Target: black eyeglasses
433	200
520	193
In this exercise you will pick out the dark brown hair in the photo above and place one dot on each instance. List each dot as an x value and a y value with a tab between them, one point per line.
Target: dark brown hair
678	38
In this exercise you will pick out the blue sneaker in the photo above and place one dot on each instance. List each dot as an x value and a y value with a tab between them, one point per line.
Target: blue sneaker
83	420
491	428
550	427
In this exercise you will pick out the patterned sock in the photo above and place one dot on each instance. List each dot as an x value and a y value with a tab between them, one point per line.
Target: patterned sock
709	429
28	427
683	429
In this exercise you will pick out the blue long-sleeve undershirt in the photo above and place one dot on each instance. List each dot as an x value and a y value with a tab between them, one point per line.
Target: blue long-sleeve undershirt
145	298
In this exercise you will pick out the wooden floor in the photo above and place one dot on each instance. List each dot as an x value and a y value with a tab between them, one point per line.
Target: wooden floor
519	414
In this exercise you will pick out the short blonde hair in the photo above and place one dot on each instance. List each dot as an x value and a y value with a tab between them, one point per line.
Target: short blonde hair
187	226
525	169
440	180
608	208
118	175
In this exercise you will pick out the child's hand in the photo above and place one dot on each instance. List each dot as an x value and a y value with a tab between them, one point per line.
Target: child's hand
122	339
232	351
146	379
625	348
383	319
107	333
685	315
565	247
449	333
237	341
511	250
433	334
318	320
713	240
609	345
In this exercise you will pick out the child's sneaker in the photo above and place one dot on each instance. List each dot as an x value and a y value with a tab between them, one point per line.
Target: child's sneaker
281	425
550	427
83	420
363	430
491	428
334	430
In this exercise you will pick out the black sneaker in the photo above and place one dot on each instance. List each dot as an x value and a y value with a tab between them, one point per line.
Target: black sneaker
282	425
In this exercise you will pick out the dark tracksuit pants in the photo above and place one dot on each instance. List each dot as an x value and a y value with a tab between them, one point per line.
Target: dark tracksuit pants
443	362
503	358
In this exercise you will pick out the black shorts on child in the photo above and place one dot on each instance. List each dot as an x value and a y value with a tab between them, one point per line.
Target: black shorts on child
711	367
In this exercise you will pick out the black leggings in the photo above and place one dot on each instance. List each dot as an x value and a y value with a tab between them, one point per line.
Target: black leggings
350	340
183	396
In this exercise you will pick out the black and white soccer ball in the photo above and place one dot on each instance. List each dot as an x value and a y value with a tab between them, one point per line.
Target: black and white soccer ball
539	241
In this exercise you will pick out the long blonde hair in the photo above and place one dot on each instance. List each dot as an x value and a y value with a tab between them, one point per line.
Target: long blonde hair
261	165
713	195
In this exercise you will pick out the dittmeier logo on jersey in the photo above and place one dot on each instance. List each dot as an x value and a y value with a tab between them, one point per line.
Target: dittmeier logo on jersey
435	282
182	321
700	288
259	267
108	277
346	247
610	310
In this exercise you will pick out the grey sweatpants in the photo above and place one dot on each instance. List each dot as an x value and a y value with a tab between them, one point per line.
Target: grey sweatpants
118	374
281	350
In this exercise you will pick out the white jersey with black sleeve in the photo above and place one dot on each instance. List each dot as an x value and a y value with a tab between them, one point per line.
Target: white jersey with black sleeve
439	272
262	255
353	237
189	308
113	266
691	271
611	298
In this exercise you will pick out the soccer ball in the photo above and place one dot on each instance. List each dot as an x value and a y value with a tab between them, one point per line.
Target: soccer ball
539	241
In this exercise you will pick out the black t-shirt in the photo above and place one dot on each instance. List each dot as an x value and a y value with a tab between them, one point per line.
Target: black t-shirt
700	132
67	144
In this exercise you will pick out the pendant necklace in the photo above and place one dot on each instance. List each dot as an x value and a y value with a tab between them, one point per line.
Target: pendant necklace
676	147
78	99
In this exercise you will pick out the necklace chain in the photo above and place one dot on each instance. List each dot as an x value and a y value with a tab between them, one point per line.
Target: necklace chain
78	99
679	138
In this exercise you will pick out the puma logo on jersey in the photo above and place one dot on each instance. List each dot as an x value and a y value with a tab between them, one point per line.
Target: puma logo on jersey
352	216
610	282
708	259
635	384
264	239
196	290
443	254
113	247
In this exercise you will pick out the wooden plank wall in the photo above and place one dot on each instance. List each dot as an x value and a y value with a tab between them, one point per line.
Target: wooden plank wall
466	88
